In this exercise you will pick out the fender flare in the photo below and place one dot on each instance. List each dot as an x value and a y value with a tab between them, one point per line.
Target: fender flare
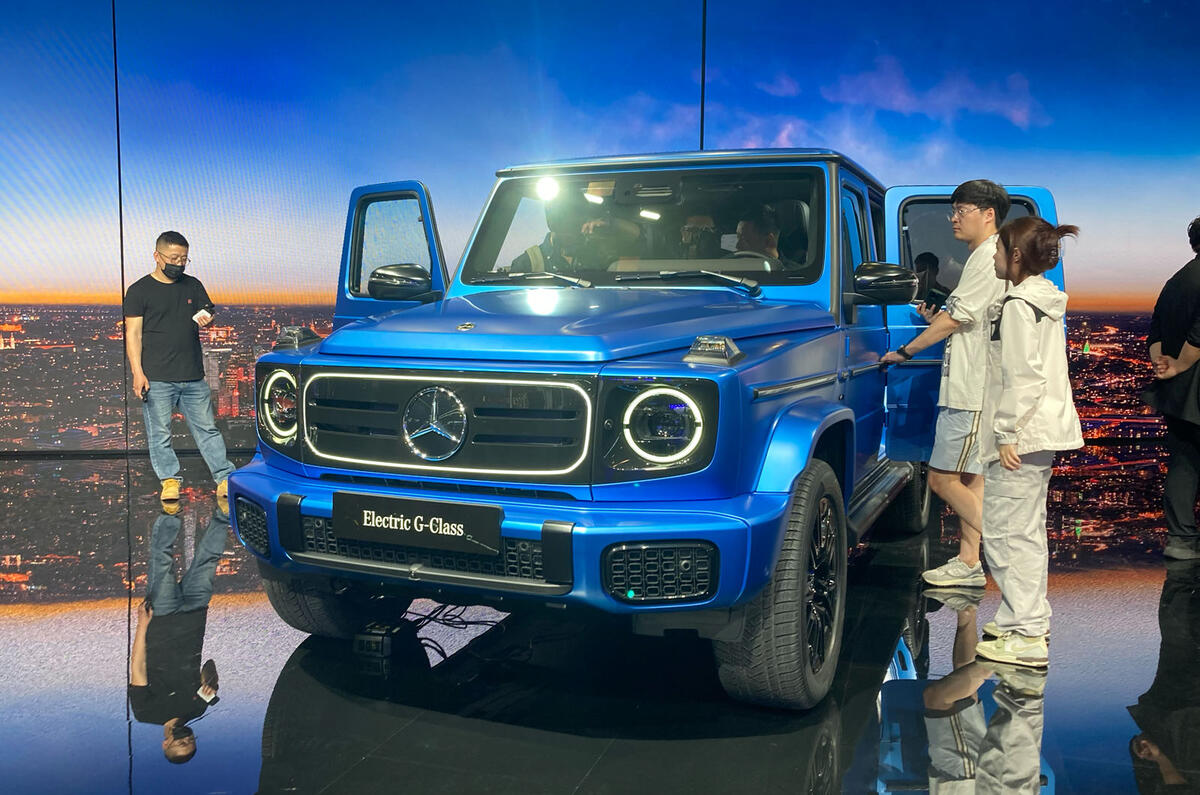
797	430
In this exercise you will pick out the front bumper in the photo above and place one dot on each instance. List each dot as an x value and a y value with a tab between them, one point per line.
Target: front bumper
746	531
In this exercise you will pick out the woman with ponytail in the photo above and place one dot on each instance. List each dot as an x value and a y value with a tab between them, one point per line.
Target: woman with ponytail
1028	416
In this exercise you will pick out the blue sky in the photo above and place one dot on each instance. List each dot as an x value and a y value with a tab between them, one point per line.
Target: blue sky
246	129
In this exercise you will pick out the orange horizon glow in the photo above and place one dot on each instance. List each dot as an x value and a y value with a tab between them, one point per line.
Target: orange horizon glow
1084	301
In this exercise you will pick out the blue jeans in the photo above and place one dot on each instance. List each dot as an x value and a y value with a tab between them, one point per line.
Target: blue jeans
194	400
195	589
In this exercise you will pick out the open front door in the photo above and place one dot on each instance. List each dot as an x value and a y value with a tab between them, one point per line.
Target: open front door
918	236
387	224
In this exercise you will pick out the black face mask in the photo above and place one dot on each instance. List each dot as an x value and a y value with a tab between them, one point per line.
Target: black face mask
172	272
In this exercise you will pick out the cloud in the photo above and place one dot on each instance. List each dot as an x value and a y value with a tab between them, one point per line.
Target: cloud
886	87
782	86
853	131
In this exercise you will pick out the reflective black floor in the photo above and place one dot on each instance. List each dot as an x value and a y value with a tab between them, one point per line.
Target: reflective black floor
476	701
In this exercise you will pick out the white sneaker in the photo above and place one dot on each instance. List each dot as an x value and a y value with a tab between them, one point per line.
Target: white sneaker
992	630
955	572
957	599
1019	679
1015	648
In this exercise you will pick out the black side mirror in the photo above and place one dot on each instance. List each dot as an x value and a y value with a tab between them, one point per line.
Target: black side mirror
883	283
405	282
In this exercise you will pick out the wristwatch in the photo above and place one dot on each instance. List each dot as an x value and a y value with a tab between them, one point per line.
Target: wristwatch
903	351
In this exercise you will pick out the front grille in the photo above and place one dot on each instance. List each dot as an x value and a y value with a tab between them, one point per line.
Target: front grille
252	526
521	558
670	571
450	487
526	426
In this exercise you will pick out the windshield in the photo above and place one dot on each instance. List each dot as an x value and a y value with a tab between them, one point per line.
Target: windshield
764	226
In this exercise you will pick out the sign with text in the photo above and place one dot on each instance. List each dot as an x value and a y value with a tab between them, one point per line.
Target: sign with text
432	524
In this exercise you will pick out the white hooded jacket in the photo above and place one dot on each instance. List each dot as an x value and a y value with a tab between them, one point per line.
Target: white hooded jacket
1027	400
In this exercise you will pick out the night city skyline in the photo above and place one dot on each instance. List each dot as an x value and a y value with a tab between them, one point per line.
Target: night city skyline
1104	500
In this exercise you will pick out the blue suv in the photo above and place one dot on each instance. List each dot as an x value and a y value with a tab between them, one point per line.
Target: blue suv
651	388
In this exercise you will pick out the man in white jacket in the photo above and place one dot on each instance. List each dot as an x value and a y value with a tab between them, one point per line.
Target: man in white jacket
978	207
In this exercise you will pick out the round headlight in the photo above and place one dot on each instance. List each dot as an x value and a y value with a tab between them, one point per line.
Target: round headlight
663	425
278	404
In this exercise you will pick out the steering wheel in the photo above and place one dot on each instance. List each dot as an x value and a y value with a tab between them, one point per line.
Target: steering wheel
762	258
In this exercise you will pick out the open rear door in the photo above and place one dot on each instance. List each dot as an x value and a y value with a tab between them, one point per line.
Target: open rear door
387	224
918	236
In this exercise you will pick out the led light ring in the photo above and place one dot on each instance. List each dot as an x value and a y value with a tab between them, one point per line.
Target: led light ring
691	404
266	398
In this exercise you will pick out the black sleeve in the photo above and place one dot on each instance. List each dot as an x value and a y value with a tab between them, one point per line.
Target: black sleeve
1193	309
202	299
139	703
134	304
1155	334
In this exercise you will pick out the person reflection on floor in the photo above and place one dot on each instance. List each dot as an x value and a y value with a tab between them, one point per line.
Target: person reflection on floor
1166	754
954	722
167	684
966	754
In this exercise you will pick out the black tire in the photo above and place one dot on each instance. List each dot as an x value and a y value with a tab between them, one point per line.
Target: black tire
789	649
908	514
311	606
823	774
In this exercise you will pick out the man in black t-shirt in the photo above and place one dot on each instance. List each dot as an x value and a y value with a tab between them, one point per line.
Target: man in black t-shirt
164	312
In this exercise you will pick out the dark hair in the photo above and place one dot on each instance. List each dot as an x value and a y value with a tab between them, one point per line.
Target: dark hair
1036	239
1194	234
928	259
170	238
763	217
984	194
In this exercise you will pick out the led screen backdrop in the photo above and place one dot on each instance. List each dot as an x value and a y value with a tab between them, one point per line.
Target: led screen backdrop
245	127
60	271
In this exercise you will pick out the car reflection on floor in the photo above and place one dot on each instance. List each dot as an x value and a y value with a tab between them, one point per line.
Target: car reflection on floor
546	704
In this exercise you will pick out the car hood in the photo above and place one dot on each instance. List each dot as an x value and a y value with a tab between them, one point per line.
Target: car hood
568	324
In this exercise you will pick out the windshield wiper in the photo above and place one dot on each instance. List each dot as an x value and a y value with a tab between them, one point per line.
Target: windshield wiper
749	285
532	275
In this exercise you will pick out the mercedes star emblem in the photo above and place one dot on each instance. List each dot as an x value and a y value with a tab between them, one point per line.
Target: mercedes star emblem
435	424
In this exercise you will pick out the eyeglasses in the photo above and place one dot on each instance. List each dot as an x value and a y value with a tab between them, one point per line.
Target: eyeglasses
180	260
959	212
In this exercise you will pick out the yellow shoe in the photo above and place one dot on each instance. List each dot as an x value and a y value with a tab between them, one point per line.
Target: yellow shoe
223	490
170	507
170	490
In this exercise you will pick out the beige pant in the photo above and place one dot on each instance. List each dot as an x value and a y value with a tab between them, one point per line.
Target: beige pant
1014	541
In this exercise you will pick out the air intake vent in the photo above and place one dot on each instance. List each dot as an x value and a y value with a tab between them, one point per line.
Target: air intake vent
520	559
252	526
670	571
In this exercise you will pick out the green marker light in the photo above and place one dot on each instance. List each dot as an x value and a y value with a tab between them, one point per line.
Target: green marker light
629	594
